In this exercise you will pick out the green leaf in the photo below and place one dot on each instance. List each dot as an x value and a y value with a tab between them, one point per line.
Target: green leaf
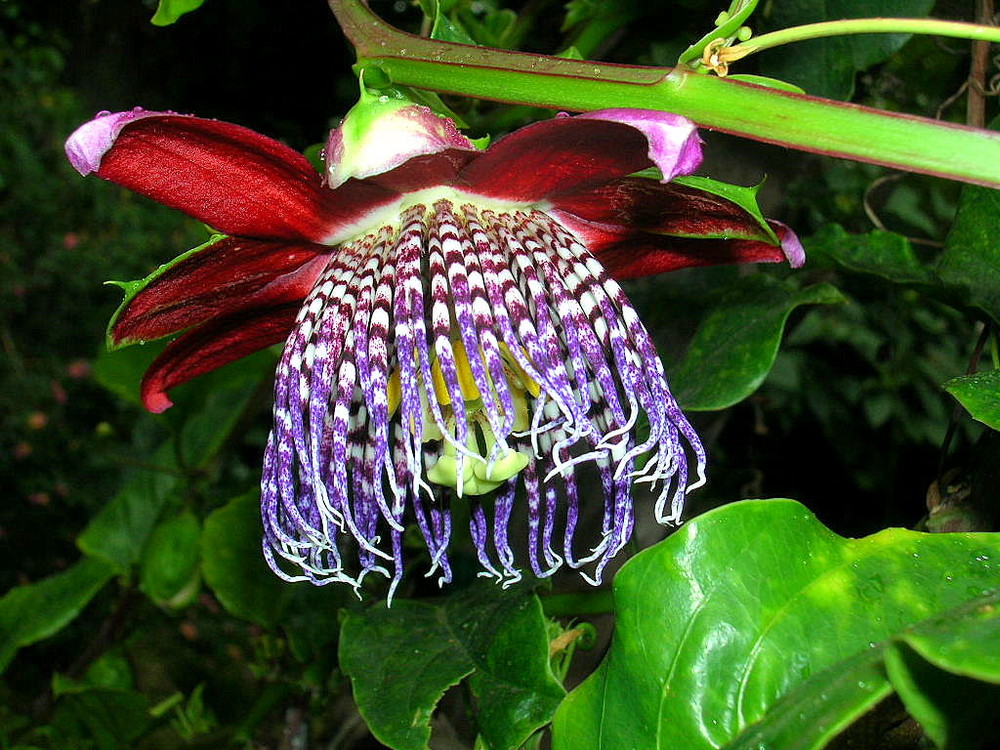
401	661
744	197
170	560
132	288
233	564
121	370
108	718
827	67
971	259
827	702
878	253
118	532
820	707
35	611
312	620
979	394
704	648
939	670
168	11
734	347
964	642
770	83
207	412
952	710
443	29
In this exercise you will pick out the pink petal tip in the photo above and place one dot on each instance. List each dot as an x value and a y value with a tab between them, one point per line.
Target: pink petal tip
88	144
674	145
790	244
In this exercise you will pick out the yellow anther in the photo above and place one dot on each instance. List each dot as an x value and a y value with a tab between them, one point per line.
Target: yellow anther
479	474
465	379
516	373
394	392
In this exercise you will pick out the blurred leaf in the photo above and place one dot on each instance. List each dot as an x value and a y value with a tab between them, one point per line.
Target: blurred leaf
118	532
704	648
734	347
971	259
168	11
312	620
233	564
979	394
121	370
170	559
204	417
876	253
401	661
102	718
35	611
826	67
214	404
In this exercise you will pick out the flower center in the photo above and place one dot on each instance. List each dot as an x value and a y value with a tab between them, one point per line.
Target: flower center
480	462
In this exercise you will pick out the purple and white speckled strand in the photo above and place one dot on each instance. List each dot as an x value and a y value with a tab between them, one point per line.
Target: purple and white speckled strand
446	291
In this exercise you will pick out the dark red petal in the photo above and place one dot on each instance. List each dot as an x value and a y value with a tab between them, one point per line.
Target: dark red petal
231	178
219	342
428	170
228	275
569	153
643	254
674	209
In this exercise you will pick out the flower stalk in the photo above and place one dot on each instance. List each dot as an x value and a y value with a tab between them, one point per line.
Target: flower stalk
797	121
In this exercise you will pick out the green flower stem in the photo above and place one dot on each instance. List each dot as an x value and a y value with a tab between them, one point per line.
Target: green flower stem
730	24
597	602
807	123
930	26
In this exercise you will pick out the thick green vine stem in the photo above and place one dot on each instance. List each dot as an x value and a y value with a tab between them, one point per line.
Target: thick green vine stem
801	122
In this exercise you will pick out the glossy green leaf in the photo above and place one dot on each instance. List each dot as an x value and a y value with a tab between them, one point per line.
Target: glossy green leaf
734	347
877	253
952	710
827	702
964	642
168	11
233	565
947	671
38	610
169	574
971	259
704	649
979	394
402	660
820	707
827	67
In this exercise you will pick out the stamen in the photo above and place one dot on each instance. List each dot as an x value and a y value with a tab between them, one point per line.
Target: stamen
465	355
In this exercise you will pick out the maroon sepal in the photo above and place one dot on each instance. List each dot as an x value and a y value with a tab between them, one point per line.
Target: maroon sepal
218	342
